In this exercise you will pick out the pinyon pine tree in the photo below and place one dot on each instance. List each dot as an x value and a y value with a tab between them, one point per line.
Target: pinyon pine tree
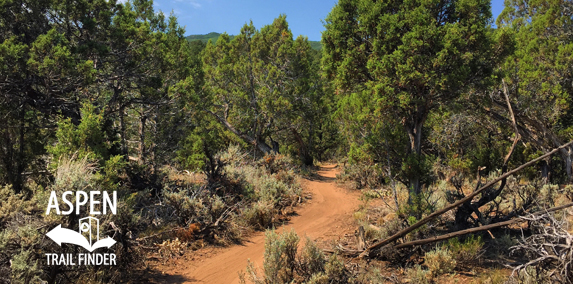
405	58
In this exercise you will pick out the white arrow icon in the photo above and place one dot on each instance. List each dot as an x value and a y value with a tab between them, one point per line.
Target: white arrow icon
62	235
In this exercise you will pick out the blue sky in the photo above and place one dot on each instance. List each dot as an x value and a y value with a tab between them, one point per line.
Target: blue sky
304	17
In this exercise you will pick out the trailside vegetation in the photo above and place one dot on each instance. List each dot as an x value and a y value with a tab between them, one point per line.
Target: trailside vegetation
458	133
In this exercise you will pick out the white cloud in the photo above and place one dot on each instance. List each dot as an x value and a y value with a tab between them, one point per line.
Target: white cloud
195	4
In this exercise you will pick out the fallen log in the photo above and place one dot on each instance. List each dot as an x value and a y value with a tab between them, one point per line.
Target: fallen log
458	203
474	230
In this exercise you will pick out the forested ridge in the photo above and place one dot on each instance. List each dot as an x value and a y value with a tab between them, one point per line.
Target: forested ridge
213	36
429	109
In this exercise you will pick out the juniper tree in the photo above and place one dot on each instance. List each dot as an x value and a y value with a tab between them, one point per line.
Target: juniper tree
538	74
259	82
406	58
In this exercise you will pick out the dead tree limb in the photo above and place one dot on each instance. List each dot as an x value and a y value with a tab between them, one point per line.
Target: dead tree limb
514	123
474	230
549	250
458	203
466	209
360	240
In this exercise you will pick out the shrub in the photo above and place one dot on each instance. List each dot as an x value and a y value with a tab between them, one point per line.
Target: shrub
171	248
419	275
22	231
259	215
267	186
503	244
336	270
280	254
283	265
496	276
362	175
25	268
467	252
311	261
319	278
440	261
12	204
85	140
246	195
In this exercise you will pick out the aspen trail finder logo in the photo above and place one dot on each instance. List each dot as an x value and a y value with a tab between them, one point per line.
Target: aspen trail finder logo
88	234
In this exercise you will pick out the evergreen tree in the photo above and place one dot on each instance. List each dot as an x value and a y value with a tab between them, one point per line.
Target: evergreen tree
404	59
259	83
538	75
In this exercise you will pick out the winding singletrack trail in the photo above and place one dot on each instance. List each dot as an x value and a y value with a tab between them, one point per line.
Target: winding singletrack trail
319	219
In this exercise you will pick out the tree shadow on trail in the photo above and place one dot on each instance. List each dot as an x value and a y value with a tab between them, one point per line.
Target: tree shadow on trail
156	276
316	176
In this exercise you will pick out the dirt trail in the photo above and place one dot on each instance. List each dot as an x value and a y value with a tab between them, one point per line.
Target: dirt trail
319	219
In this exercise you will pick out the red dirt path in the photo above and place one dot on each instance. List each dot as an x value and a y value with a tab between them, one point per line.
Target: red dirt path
320	219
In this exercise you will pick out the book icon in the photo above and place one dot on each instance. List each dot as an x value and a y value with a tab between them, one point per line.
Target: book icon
87	237
89	228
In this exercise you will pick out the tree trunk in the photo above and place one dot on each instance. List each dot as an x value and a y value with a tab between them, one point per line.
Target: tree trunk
304	153
566	154
153	150
276	146
141	148
122	130
475	230
260	144
18	183
545	170
415	135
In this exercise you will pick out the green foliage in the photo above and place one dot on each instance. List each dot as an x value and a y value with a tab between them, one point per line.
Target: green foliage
440	261
282	265
538	73
200	146
420	205
467	252
13	204
22	237
85	140
25	269
312	261
427	55
248	195
419	275
542	55
213	37
363	175
466	142
105	73
190	207
280	255
103	95
260	84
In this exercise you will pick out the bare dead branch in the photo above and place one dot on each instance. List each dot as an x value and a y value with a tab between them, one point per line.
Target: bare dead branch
475	230
513	121
458	203
549	250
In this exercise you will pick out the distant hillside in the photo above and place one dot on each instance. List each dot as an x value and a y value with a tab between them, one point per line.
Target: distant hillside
205	38
214	36
316	45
